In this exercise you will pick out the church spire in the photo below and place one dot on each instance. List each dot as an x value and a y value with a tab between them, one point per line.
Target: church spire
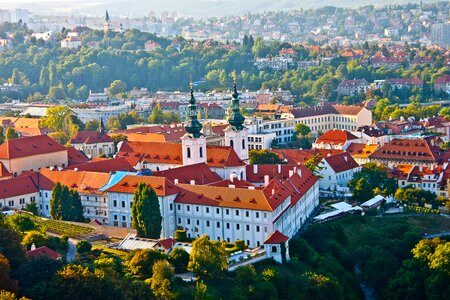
236	119
101	126
193	126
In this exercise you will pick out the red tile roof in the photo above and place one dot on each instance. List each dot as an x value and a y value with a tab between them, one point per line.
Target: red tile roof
104	165
17	186
341	162
29	146
167	243
200	173
76	156
90	137
271	170
4	171
409	149
327	109
442	79
276	238
297	156
43	251
242	184
335	137
129	183
405	81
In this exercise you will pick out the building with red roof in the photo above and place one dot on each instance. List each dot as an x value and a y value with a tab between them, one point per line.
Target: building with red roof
337	170
93	143
399	83
16	193
43	251
32	153
406	151
442	83
335	139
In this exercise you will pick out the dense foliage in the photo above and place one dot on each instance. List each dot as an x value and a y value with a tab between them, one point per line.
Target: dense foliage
146	214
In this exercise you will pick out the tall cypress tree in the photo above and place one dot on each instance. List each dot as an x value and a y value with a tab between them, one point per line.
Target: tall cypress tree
77	207
55	202
146	213
66	203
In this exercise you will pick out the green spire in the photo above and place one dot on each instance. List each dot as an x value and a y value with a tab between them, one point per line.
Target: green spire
193	126
101	127
236	120
107	17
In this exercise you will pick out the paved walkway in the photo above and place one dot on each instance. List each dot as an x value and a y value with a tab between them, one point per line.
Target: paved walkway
72	250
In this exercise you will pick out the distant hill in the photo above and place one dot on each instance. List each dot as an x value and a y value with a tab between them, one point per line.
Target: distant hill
184	7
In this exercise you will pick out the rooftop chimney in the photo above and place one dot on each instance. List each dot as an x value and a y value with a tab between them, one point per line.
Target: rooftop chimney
175	181
279	169
75	169
273	192
255	169
192	182
231	186
251	187
291	172
299	172
266	180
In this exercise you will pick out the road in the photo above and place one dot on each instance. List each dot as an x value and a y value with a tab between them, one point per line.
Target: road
72	250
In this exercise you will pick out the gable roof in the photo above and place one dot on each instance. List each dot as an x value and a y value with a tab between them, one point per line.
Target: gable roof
276	238
43	251
327	109
104	165
76	156
4	171
335	137
420	149
341	162
129	183
29	146
82	181
200	173
90	137
229	197
280	171
17	186
299	156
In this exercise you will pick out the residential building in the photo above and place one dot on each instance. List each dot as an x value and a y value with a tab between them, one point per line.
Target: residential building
337	170
352	87
442	83
32	154
93	143
335	139
97	113
71	42
16	193
440	34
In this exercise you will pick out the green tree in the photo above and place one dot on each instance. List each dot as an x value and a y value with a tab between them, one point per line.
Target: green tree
263	157
302	129
157	115
83	247
362	191
179	258
161	280
140	262
56	93
44	81
92	125
206	257
313	164
117	87
146	213
6	282
56	202
33	237
21	222
201	291
2	135
11	134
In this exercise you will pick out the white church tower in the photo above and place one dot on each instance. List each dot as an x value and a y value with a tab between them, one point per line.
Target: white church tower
236	135
193	142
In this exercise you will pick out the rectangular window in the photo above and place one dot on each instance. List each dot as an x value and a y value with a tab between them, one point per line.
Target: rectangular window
227	211
179	220
238	227
247	214
197	208
123	203
217	211
198	222
207	210
188	221
207	223
257	228
179	207
218	224
257	215
228	225
237	212
188	208
247	227
115	203
171	206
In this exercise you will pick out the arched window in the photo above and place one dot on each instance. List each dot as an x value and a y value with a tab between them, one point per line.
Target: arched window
201	151
231	143
274	249
189	152
243	143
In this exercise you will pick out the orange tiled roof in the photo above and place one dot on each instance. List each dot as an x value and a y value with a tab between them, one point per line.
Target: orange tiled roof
297	156
229	197
361	150
104	165
129	183
335	137
408	149
17	186
82	181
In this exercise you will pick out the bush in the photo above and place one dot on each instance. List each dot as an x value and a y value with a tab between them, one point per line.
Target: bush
84	247
240	244
179	259
181	236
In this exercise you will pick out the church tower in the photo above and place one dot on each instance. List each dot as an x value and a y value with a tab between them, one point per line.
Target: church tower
106	24
236	135
193	142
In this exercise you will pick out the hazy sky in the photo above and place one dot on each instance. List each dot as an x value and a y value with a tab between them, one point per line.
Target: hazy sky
183	7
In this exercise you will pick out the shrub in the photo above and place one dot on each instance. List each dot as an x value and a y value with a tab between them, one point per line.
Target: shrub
180	235
84	247
240	244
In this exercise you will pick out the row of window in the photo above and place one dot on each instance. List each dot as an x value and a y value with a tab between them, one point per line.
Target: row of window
227	211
